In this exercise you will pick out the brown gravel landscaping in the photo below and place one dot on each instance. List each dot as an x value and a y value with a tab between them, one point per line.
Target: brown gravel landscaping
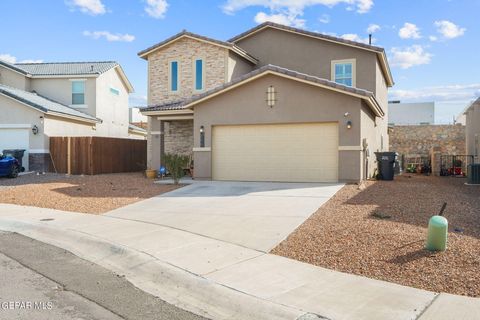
379	231
86	194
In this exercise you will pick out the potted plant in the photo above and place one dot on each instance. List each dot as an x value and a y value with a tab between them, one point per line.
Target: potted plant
151	173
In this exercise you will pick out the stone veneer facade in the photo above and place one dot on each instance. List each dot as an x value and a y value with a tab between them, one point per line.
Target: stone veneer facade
418	140
185	51
178	137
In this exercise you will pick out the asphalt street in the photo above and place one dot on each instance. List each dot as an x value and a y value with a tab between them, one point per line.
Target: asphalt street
40	281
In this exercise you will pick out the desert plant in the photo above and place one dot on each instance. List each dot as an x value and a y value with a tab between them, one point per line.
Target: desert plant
175	163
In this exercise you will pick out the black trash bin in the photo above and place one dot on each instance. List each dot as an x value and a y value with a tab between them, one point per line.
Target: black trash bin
17	154
386	165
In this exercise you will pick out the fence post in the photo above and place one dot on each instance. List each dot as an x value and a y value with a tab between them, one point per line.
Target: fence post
69	155
435	154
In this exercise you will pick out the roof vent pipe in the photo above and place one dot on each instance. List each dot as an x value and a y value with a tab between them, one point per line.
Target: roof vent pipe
370	39
91	67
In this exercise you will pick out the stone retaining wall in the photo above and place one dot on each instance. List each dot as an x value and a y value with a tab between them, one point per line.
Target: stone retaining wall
418	140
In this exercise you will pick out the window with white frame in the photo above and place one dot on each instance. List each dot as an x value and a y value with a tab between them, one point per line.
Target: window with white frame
343	72
78	92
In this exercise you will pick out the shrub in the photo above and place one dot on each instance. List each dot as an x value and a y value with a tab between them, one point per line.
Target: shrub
175	163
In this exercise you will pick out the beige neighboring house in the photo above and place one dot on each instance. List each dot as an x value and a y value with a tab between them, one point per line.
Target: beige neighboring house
42	100
472	121
274	103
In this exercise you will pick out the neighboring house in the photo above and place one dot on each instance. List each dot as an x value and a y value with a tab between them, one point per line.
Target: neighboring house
411	113
41	100
472	120
272	104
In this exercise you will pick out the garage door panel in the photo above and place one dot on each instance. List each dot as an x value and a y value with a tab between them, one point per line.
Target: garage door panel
284	152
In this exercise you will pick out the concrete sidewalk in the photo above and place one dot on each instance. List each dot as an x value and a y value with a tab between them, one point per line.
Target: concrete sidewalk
221	280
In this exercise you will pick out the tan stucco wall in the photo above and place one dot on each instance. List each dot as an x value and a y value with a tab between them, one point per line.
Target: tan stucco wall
237	66
13	112
472	130
60	89
185	51
309	55
297	103
112	109
14	79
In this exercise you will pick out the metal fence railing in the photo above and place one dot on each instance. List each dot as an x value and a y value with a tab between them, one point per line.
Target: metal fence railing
455	165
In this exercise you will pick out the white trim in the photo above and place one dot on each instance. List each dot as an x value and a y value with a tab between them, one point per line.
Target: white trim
345	61
78	106
350	148
15	126
204	149
186	117
38	151
77	80
155	132
166	112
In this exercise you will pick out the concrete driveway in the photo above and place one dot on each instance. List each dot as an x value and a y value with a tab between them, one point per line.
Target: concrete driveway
255	215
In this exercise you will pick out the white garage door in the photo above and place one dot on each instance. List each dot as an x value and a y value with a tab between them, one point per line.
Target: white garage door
283	152
15	139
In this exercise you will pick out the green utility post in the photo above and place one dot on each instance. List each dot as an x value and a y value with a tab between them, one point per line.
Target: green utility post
437	232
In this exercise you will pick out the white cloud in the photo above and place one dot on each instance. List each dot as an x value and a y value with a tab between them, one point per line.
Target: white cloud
355	37
11	59
409	31
156	8
293	6
281	18
449	30
325	18
433	38
109	36
93	7
372	28
446	93
409	57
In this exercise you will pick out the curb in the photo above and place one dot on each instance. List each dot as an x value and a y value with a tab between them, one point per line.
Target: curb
171	284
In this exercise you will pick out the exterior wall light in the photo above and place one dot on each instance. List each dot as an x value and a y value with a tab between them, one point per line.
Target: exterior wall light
35	129
271	96
349	124
202	137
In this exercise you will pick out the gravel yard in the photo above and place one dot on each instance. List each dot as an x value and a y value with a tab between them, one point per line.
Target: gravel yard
87	194
380	231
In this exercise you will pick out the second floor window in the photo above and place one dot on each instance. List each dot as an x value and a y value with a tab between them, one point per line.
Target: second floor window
78	92
199	74
343	72
174	76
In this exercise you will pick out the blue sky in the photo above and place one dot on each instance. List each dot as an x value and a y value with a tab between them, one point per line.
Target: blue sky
431	45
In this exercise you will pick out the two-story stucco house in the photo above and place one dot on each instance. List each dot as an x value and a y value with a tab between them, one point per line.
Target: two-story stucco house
472	122
41	100
274	103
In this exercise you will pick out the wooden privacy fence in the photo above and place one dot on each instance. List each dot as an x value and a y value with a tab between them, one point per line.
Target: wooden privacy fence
97	155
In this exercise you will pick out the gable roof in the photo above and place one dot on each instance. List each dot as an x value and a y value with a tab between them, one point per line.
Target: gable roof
60	69
67	68
367	96
378	50
185	34
12	67
472	105
45	105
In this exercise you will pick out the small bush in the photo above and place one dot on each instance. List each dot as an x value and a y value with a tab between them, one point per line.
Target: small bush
175	163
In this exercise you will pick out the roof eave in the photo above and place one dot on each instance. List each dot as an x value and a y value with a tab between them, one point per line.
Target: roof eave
368	97
72	117
124	78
